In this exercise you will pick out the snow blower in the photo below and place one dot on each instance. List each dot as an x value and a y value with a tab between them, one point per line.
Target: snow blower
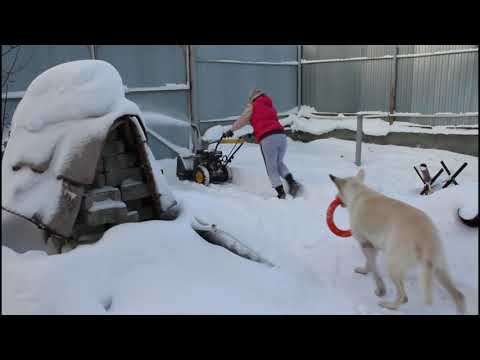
208	165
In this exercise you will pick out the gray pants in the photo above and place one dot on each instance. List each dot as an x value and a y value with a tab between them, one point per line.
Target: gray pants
273	149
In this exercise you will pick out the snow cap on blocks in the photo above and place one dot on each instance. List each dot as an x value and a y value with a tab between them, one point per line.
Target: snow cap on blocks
58	132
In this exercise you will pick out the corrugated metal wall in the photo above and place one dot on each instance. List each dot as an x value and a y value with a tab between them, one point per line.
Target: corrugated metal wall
331	87
427	84
147	66
221	88
225	73
31	60
144	69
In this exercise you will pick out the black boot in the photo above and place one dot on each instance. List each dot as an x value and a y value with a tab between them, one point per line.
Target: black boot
294	187
280	192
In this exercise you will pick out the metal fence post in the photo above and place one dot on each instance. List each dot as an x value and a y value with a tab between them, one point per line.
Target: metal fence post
92	51
192	99
358	151
393	88
299	76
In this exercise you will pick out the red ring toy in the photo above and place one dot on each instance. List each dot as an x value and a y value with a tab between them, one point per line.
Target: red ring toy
331	225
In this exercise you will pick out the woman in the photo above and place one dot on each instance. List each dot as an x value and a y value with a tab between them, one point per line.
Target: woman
269	133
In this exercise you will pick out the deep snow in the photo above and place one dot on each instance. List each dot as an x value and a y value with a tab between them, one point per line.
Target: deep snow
161	267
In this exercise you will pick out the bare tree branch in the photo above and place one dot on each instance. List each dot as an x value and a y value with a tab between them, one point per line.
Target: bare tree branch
5	82
9	72
10	48
4	110
23	66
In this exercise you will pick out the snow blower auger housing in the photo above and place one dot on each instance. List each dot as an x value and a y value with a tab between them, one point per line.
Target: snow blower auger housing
206	165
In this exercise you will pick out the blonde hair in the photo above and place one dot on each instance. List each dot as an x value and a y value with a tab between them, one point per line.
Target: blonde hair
254	93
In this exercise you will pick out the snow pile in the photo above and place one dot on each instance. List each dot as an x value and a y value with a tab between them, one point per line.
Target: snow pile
469	210
77	90
63	109
160	267
307	121
306	110
60	124
213	134
375	127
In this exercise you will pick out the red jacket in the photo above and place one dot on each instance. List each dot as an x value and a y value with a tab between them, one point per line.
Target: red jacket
264	119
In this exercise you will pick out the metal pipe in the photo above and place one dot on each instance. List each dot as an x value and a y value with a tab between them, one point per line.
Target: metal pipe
192	79
243	62
358	150
92	52
299	76
189	95
393	91
389	57
175	87
383	115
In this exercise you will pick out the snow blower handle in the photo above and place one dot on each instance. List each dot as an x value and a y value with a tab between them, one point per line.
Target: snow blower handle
219	141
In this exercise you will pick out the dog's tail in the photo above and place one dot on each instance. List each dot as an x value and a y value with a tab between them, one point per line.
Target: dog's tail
439	269
444	279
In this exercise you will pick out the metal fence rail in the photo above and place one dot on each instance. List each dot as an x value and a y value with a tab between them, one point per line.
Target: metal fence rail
375	114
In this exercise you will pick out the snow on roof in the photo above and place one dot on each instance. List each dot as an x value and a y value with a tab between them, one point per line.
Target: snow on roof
66	108
76	90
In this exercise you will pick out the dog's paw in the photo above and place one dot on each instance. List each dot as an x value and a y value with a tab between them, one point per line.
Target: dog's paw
361	270
380	292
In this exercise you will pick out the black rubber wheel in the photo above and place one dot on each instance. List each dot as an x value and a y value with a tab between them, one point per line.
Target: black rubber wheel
201	175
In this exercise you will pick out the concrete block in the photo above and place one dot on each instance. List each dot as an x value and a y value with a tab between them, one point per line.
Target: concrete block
120	161
106	212
146	213
82	229
113	135
116	176
113	147
133	216
90	238
133	190
100	166
100	180
100	194
133	204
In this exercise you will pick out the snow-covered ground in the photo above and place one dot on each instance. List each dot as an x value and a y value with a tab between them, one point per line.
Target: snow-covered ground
161	267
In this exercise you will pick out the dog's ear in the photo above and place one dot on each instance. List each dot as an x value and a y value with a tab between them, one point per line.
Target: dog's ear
360	175
337	181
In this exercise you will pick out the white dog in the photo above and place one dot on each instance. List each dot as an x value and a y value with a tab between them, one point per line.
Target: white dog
406	234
